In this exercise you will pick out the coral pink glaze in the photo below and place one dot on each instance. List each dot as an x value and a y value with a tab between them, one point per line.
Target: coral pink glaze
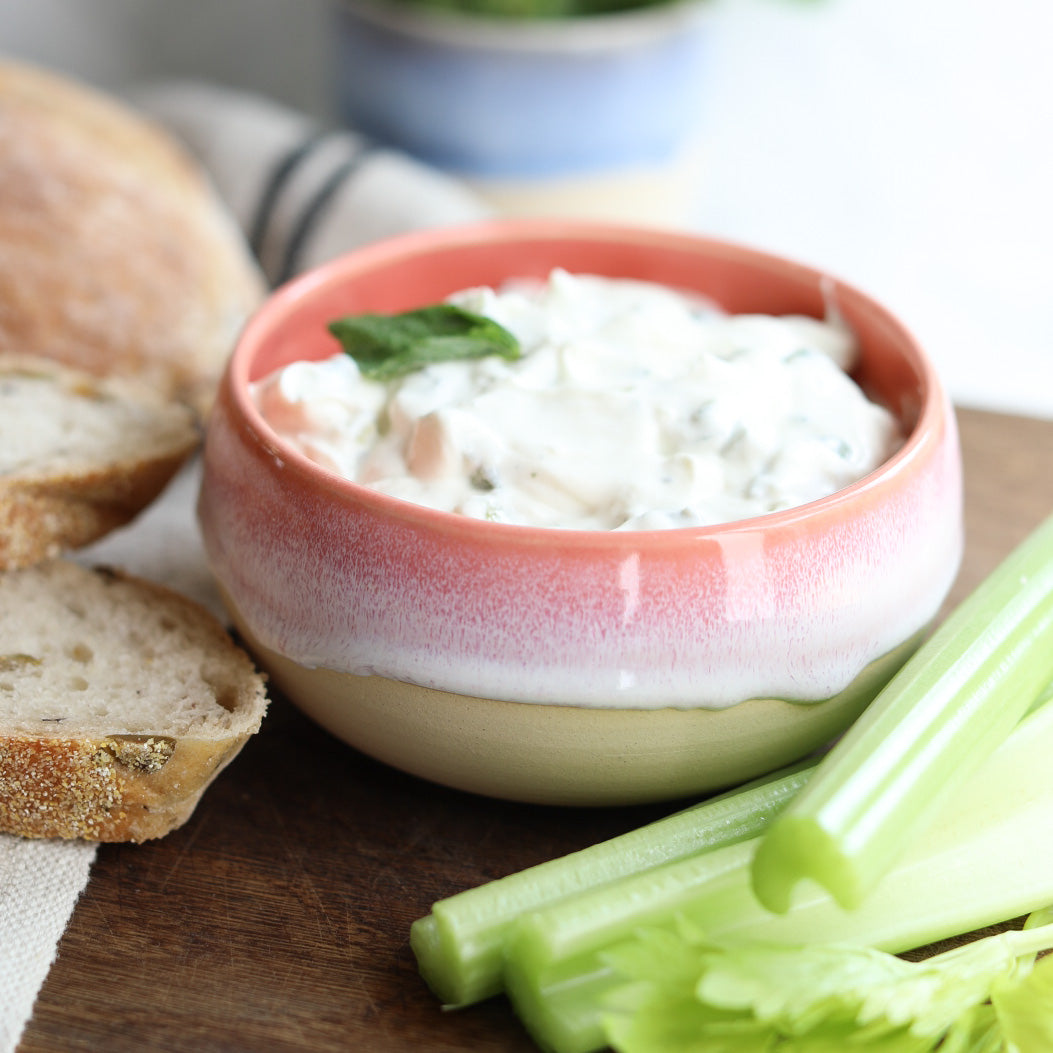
791	605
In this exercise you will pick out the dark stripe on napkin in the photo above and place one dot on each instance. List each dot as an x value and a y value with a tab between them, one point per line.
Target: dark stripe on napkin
315	207
276	182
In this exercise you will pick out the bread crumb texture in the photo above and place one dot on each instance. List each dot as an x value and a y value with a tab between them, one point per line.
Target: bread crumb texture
57	420
79	456
120	701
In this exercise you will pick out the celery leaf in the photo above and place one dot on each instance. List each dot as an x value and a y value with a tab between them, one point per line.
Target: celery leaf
685	993
1025	1009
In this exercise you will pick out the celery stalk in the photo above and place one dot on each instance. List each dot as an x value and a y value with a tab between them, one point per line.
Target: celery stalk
554	972
985	857
921	738
459	946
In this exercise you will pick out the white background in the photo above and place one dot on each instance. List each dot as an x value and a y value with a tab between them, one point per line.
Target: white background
906	145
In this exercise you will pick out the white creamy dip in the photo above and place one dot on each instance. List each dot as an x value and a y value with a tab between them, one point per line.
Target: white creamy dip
632	407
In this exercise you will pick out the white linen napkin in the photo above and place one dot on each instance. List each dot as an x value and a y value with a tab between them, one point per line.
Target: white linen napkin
39	885
303	194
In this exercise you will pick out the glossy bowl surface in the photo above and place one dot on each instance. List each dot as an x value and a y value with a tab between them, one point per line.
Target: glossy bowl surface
576	666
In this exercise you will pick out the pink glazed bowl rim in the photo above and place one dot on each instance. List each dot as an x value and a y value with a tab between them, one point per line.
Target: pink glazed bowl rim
508	235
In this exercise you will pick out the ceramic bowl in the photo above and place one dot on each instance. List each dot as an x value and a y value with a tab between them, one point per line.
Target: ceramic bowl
563	666
486	99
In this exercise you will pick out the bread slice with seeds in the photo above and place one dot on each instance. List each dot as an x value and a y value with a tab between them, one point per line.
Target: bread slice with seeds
120	702
79	455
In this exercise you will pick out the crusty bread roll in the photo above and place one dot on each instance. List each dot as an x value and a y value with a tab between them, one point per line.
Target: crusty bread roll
116	254
120	701
79	456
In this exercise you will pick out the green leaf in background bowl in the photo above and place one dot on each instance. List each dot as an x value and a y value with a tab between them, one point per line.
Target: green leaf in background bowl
541	10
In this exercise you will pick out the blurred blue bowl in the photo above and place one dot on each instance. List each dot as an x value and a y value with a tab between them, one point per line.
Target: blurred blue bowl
498	98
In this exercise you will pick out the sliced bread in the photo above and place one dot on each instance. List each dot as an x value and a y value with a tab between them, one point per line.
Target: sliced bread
79	456
117	255
120	701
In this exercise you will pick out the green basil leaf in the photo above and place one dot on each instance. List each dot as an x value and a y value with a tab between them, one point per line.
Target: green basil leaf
386	346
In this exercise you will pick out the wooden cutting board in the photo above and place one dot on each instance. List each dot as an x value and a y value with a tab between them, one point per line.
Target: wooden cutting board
277	918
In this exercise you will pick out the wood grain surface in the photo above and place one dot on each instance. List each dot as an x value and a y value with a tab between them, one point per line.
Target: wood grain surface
277	918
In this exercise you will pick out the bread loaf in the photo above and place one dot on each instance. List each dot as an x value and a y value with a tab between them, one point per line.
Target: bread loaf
116	254
120	701
79	456
123	285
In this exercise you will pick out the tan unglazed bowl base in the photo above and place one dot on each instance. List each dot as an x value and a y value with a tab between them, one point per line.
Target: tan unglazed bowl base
566	755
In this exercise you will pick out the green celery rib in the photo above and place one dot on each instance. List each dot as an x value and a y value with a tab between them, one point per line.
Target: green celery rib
554	973
985	857
459	946
921	738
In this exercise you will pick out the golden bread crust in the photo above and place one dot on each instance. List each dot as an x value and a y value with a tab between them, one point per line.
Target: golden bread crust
116	255
100	789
